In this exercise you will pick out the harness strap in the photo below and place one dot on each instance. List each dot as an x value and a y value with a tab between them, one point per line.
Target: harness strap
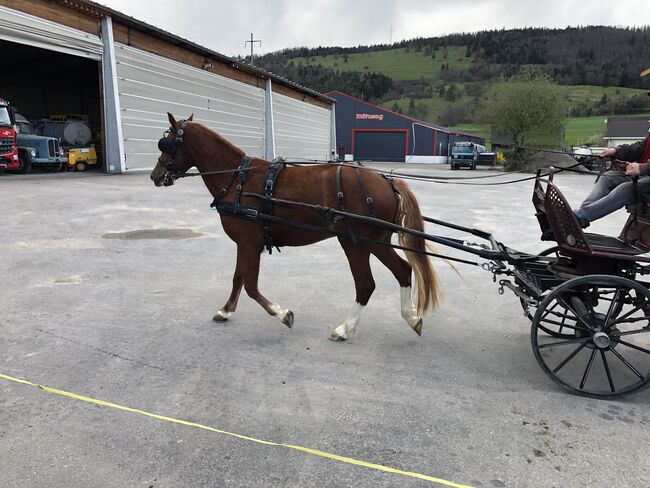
240	174
272	172
364	189
341	200
339	190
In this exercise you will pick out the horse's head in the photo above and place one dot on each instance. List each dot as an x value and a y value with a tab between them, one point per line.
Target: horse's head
174	157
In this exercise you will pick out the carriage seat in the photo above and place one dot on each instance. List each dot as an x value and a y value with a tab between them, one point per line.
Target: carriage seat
559	223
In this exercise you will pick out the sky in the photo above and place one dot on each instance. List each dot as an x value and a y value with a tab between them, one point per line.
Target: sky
225	25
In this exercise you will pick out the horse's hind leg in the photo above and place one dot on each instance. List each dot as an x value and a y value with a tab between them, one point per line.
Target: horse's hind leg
359	259
226	311
401	269
251	262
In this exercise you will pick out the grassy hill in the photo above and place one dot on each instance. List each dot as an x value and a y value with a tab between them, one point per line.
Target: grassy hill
399	64
575	95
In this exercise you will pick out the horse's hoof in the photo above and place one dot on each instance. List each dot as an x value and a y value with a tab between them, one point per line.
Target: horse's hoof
418	327
288	319
220	316
335	337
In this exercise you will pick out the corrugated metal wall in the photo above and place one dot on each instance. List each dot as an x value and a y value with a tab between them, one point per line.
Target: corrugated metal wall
302	130
150	86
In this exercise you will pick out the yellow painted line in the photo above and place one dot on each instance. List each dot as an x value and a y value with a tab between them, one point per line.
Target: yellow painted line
307	450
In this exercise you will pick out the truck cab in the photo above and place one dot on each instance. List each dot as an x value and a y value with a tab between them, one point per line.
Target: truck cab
41	151
8	148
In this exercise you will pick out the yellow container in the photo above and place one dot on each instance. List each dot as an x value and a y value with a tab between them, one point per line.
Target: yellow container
81	157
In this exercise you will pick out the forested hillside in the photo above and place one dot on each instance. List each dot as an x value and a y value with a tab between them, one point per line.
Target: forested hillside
442	78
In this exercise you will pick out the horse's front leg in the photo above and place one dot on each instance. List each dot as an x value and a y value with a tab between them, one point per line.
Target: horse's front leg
226	311
251	260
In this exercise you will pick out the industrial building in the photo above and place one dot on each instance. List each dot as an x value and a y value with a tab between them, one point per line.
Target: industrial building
368	132
81	59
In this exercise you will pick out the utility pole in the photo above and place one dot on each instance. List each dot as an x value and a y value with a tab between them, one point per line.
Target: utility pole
252	41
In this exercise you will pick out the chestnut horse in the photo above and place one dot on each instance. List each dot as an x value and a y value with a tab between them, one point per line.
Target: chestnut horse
190	144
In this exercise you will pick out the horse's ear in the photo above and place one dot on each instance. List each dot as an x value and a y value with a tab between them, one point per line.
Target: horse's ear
189	119
171	118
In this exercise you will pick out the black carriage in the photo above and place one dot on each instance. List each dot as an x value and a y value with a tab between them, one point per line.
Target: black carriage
586	297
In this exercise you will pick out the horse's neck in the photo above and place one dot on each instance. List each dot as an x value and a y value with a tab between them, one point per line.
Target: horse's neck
216	154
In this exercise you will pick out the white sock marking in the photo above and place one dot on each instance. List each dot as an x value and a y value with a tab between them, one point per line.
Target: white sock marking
409	312
349	327
280	312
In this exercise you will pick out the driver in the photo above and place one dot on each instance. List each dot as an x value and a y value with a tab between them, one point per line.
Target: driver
615	189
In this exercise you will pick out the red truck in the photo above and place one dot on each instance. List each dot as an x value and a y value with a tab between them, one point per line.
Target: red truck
8	147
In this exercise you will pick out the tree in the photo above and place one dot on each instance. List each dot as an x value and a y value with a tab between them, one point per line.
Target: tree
529	102
411	110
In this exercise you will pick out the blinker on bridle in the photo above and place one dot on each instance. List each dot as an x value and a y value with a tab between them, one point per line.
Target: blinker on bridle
170	147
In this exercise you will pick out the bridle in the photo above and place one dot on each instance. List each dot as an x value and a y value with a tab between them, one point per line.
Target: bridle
170	148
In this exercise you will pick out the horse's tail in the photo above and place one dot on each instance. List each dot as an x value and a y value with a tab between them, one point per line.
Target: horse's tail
409	216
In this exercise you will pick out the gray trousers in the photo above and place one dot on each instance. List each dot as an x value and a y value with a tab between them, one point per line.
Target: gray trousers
612	191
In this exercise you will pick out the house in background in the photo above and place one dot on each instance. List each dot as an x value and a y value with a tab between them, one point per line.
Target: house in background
626	129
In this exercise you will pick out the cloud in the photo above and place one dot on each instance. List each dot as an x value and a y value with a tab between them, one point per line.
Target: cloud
225	25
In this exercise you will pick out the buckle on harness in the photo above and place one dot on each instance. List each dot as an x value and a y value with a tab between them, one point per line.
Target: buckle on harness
269	185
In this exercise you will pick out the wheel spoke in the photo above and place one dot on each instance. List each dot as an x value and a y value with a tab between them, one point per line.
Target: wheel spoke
632	332
550	310
630	321
626	363
569	357
609	373
611	307
634	346
560	324
568	341
588	368
633	311
578	317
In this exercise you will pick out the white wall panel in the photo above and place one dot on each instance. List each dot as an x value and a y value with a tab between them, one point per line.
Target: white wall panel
302	130
27	29
150	86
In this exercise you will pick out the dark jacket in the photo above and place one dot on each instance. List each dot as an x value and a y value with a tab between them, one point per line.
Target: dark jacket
631	152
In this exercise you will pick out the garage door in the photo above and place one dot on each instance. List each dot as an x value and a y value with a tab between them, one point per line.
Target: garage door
302	130
150	86
380	145
26	29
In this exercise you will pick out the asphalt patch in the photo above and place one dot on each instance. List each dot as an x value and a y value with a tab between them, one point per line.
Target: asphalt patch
154	234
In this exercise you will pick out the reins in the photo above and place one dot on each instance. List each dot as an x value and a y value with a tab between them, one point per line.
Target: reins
460	180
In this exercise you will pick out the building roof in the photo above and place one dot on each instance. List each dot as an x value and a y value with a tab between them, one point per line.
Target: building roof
633	127
91	7
440	128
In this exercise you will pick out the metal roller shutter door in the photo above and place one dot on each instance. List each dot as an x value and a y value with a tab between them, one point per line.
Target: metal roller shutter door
27	29
302	130
149	86
387	146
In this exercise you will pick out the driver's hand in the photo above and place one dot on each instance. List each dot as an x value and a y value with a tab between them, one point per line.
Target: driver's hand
632	169
607	153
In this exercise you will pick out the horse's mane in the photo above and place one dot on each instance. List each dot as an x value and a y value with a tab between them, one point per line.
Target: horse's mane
222	140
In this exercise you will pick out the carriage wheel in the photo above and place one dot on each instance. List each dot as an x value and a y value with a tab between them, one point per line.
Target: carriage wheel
550	329
608	351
